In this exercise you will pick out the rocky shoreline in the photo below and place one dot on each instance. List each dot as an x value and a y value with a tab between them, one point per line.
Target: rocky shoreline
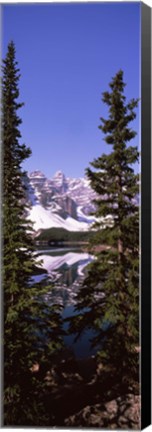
84	394
119	413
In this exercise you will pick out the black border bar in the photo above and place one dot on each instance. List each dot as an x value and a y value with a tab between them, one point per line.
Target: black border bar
145	215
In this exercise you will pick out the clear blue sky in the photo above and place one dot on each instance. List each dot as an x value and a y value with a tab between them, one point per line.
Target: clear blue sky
67	54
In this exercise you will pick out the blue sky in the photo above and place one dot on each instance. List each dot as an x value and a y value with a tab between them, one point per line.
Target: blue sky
67	55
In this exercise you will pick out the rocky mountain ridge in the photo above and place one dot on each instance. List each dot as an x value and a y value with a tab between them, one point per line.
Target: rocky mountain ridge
66	201
62	202
48	190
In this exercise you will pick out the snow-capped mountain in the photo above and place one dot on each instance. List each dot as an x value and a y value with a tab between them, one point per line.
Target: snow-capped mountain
60	201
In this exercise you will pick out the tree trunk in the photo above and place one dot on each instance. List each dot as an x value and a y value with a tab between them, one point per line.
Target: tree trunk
120	246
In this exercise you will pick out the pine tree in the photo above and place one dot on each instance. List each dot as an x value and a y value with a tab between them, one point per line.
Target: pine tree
108	301
27	318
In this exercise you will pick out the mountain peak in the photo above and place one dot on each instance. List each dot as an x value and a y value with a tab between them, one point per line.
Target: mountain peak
60	181
59	174
36	174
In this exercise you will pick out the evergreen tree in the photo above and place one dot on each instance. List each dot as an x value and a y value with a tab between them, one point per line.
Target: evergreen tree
108	301
32	330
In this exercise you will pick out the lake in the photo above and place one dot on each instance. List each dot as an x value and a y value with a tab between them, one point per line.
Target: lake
66	269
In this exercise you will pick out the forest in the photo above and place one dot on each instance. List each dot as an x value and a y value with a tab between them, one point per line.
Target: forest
44	384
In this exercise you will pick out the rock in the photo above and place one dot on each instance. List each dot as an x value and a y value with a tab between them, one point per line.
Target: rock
122	421
35	367
133	412
117	413
111	407
99	369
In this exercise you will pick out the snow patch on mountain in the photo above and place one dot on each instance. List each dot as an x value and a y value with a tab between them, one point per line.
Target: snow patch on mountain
84	218
44	218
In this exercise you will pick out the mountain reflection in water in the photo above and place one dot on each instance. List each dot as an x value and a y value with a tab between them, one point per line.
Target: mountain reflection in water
66	271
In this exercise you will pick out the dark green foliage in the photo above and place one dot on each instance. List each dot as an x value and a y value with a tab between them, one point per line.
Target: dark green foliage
108	301
26	316
62	235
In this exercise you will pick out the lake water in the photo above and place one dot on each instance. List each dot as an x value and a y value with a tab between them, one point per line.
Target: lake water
66	270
